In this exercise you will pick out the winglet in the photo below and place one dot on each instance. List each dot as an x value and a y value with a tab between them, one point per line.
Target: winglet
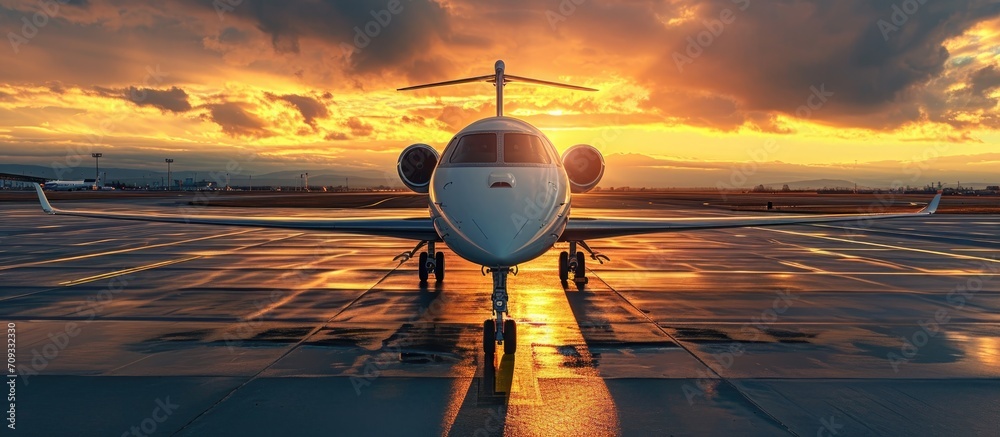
933	206
46	206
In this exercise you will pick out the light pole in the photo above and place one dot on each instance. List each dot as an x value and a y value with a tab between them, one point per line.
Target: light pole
169	180
97	167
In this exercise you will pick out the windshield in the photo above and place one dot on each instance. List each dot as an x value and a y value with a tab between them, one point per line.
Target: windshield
476	148
524	149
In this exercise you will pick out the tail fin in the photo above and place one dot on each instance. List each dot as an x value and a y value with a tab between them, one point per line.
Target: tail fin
501	78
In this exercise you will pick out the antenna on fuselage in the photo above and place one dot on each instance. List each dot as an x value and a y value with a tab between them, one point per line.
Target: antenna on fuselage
499	79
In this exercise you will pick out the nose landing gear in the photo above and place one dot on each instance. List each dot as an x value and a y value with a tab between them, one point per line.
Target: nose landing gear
499	331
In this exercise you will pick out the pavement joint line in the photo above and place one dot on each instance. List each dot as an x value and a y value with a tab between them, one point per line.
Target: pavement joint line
887	246
127	271
115	252
817	270
162	264
913	270
904	234
846	275
725	380
291	349
144	358
88	243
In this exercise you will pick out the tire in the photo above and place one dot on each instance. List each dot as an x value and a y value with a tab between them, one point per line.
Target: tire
489	337
422	267
509	336
563	266
439	267
581	267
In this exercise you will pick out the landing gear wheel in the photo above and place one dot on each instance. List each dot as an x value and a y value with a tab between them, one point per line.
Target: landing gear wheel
422	267
439	266
581	268
509	336
490	337
563	266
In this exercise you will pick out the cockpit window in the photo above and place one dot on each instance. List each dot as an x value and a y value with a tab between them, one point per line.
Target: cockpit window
478	148
524	149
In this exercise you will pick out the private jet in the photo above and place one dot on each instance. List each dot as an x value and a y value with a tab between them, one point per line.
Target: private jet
499	196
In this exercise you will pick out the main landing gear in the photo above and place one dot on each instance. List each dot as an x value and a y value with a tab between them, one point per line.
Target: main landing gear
428	262
574	261
499	331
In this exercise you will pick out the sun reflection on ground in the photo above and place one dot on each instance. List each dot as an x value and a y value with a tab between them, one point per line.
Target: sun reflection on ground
552	382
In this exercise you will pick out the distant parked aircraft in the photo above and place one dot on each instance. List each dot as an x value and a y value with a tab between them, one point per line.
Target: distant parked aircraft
84	185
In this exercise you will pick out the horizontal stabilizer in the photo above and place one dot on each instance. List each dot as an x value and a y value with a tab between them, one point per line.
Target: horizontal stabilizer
512	78
488	78
499	79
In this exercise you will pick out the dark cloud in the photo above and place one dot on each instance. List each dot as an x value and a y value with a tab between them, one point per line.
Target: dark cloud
775	53
56	87
335	136
376	38
358	127
236	121
766	61
966	107
173	99
985	79
310	108
416	119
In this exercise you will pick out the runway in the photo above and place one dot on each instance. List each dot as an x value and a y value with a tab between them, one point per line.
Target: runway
868	328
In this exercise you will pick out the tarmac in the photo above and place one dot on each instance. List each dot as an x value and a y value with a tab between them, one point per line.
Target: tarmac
862	328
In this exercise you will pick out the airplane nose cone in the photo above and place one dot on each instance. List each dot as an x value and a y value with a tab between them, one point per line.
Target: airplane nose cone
496	216
498	234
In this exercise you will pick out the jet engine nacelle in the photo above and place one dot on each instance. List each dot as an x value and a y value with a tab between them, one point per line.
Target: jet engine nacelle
416	165
584	165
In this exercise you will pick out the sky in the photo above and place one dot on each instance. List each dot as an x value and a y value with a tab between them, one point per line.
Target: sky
711	93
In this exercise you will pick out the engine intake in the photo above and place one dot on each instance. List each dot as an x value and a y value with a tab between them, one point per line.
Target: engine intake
585	167
416	165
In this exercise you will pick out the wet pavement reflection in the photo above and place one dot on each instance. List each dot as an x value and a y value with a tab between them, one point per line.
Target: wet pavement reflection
745	331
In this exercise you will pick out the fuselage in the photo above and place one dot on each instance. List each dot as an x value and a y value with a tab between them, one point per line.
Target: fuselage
499	195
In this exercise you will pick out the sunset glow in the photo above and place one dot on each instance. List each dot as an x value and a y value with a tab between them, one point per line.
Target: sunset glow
685	97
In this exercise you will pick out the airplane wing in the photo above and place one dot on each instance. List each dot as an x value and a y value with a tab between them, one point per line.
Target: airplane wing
407	228
579	229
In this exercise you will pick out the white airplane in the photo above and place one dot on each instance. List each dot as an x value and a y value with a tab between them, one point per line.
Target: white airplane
499	196
84	185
